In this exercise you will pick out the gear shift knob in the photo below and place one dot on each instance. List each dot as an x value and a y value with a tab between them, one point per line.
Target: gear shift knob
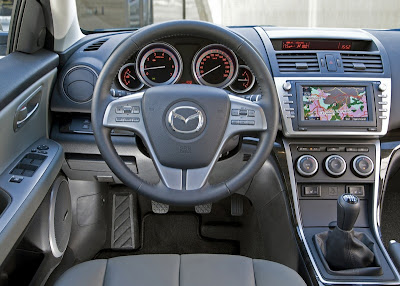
348	208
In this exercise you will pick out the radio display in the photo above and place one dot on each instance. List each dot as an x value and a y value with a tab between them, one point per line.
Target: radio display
334	103
316	45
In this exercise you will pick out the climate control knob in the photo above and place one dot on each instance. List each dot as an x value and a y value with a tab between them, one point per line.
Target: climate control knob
335	165
363	166
307	165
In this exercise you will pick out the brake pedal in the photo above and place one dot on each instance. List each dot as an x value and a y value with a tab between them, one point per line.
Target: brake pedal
124	229
159	208
203	209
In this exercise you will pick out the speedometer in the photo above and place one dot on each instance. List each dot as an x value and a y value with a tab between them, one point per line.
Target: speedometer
215	65
159	64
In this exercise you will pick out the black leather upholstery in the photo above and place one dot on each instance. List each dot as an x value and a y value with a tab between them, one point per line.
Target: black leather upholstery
180	270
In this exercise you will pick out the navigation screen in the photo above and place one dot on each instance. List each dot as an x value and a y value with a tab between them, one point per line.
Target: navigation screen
335	103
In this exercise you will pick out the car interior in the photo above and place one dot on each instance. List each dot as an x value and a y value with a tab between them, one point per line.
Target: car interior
185	152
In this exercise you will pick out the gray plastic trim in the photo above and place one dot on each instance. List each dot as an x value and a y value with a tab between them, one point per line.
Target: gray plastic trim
374	226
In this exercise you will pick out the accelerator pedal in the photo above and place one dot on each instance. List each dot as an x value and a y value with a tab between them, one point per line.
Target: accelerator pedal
124	228
236	205
159	208
203	209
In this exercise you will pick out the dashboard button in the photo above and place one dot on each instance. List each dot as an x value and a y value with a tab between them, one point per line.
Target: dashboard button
356	190
287	86
351	149
331	63
363	149
312	191
332	149
307	165
363	166
335	165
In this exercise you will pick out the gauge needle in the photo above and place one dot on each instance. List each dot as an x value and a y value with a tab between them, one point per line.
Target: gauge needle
211	70
131	76
153	68
242	79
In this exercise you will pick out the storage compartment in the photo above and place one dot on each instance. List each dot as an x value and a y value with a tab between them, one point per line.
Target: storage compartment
5	200
88	162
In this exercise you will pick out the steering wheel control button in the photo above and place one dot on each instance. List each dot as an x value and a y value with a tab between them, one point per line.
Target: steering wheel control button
312	191
136	110
251	113
235	112
243	112
42	147
363	166
335	165
307	165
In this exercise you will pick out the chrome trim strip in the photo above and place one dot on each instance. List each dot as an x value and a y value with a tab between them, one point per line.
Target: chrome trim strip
374	228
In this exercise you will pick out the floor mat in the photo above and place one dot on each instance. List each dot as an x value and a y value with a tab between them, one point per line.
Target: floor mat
174	234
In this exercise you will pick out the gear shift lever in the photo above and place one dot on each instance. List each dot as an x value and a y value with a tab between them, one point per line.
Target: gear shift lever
345	248
348	208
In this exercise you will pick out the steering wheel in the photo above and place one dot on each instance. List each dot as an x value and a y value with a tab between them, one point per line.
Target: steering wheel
184	127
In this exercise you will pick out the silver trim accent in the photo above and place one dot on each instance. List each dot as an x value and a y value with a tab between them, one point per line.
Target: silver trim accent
358	172
202	81
65	75
174	52
123	84
287	122
328	169
301	172
52	232
374	229
251	84
198	114
172	177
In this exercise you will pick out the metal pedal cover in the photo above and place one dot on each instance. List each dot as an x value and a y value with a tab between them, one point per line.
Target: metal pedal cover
159	208
236	205
123	223
203	209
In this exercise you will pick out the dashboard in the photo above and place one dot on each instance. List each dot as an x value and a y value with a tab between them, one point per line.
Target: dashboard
336	90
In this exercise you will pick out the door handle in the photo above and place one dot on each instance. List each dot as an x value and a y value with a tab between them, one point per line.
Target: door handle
23	114
27	109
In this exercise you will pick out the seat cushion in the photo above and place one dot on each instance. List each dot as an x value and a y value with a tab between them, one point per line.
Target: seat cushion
180	270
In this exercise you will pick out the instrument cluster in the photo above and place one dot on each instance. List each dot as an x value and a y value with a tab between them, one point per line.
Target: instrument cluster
161	64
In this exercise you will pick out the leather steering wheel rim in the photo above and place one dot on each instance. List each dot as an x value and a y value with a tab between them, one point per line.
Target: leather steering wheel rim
156	32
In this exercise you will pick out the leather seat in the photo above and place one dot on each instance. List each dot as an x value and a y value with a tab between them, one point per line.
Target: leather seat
180	270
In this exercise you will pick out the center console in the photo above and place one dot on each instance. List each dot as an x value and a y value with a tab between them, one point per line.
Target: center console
335	96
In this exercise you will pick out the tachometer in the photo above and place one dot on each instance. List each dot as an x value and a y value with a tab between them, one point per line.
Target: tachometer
244	80
159	64
128	78
215	65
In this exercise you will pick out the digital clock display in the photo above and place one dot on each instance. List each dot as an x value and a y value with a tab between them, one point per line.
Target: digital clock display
316	45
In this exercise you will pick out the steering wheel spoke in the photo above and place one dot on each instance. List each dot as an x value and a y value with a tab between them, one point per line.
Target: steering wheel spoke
125	113
245	116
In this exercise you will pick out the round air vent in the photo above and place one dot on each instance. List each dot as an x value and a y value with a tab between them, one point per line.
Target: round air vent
60	217
78	83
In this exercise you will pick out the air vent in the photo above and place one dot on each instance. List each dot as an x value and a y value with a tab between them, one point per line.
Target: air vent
297	62
95	46
366	63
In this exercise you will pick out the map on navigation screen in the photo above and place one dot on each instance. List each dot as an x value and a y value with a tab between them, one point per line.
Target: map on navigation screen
335	103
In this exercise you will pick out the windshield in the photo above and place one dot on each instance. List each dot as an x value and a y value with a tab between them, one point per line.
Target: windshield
109	14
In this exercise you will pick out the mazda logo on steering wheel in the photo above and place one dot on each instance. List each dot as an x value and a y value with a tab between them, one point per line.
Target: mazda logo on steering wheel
186	119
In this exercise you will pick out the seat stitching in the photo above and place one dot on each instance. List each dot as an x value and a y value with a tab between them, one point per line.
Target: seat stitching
254	272
105	272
